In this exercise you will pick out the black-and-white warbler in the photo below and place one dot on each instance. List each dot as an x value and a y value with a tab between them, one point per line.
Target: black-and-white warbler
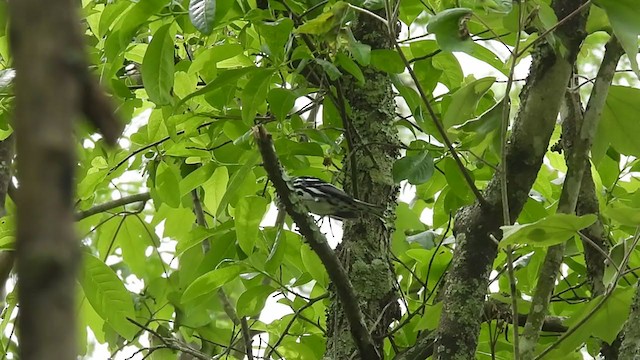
324	199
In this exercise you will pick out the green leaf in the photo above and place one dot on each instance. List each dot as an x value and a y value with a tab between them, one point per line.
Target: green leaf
129	24
465	100
158	68
552	230
327	22
450	29
603	323
625	215
456	180
387	60
361	52
7	232
426	239
281	101
108	297
237	179
215	188
134	237
252	301
624	15
255	93
110	14
618	125
196	178
352	68
276	35
249	213
202	14
329	68
224	78
210	282
417	168
167	184
314	266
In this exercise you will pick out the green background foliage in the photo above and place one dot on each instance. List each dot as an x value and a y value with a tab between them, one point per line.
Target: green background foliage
191	78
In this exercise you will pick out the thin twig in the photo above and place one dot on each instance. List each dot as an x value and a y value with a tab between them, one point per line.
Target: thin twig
142	197
555	26
437	122
605	297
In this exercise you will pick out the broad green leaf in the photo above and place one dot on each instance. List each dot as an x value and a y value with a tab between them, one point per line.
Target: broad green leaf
416	168
623	15
456	180
281	101
167	184
87	186
603	323
108	297
552	230
196	178
210	282
134	237
202	14
276	35
255	93
237	179
328	22
215	188
196	236
625	215
248	215
7	232
464	102
129	24
618	125
314	266
430	319
387	60
329	68
450	29
225	78
350	66
204	61
361	52
252	301
110	14
426	239
158	68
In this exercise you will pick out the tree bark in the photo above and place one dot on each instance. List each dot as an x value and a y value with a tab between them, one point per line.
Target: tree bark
475	252
47	47
364	250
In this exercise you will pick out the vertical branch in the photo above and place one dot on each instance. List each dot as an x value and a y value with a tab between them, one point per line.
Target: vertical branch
577	160
44	41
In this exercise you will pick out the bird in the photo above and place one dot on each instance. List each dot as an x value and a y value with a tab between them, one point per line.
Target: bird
324	199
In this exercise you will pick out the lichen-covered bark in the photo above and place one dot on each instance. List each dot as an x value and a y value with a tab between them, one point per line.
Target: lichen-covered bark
364	251
630	348
467	280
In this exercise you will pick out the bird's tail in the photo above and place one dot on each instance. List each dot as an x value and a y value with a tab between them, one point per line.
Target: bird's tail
365	207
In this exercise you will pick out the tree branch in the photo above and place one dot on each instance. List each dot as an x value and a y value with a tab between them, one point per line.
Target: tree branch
142	197
577	160
318	244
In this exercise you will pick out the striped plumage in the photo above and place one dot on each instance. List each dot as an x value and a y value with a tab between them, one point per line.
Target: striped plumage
324	199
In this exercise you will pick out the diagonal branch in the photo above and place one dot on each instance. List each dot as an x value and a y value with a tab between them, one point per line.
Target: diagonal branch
318	244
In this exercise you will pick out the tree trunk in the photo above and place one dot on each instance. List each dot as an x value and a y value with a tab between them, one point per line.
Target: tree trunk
364	251
475	252
46	46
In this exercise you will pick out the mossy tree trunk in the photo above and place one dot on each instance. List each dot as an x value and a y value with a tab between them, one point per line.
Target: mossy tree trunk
364	251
